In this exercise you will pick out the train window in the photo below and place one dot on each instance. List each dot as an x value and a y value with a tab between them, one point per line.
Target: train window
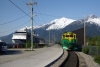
71	35
67	35
63	35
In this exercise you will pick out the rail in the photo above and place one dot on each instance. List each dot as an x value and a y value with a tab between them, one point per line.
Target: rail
71	60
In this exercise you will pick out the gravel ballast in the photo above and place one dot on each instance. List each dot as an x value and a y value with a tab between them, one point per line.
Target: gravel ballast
89	60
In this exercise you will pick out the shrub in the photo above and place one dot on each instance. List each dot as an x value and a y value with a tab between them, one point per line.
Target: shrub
97	59
28	44
35	45
85	49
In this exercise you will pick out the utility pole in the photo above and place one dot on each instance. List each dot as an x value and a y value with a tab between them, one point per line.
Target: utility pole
31	7
26	38
49	36
52	38
84	32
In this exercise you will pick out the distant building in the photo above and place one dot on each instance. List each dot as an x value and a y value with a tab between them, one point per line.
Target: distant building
21	36
80	36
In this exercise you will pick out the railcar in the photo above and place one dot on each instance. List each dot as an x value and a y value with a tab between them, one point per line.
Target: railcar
69	41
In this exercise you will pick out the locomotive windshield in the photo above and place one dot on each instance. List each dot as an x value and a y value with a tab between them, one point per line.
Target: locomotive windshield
67	35
71	35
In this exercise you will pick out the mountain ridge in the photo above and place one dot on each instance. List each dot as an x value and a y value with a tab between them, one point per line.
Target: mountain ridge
92	23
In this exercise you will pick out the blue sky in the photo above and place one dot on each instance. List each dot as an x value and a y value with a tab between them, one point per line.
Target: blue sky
12	18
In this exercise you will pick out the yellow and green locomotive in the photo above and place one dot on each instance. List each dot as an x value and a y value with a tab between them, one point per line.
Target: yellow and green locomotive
69	41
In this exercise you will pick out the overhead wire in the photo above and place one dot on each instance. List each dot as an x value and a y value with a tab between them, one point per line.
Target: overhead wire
25	3
19	8
38	8
40	14
15	19
22	10
56	15
16	27
35	22
12	20
28	15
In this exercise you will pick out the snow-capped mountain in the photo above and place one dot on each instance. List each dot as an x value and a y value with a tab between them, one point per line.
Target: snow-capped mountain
92	25
58	26
93	19
59	23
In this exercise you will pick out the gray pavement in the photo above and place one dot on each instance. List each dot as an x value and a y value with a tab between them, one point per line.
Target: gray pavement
37	59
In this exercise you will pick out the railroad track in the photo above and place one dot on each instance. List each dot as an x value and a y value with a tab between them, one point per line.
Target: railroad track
71	60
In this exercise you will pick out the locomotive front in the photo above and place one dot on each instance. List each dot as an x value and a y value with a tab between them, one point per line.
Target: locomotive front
68	41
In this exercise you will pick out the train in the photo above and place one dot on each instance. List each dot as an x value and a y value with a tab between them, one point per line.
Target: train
69	41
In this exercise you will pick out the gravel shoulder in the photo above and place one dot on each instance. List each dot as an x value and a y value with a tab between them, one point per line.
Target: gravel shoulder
89	60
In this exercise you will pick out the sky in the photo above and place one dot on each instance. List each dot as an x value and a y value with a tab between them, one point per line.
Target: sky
16	17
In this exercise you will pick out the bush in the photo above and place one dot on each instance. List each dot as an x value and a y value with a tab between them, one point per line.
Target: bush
28	44
94	41
35	45
85	49
97	59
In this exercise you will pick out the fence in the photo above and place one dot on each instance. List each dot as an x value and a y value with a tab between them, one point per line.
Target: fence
93	50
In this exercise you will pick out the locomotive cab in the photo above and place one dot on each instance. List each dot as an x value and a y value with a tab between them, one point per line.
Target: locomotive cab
68	41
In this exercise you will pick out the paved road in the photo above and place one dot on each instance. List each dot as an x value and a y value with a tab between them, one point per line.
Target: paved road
38	58
15	54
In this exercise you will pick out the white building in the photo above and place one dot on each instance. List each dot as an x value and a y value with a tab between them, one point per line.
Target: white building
20	36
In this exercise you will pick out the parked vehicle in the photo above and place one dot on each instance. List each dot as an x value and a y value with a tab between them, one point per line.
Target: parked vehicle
3	47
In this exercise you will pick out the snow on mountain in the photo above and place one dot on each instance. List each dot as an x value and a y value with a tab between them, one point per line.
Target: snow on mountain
24	29
63	22
56	24
92	16
93	19
59	23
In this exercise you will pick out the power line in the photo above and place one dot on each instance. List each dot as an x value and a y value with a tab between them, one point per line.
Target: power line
35	22
13	20
47	14
15	27
40	13
56	15
25	3
19	8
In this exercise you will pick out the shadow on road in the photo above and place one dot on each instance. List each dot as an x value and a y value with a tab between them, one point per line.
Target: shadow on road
11	52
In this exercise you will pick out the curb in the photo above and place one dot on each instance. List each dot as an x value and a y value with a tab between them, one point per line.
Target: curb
53	62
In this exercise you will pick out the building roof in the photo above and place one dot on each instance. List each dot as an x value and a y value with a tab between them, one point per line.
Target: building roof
19	37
